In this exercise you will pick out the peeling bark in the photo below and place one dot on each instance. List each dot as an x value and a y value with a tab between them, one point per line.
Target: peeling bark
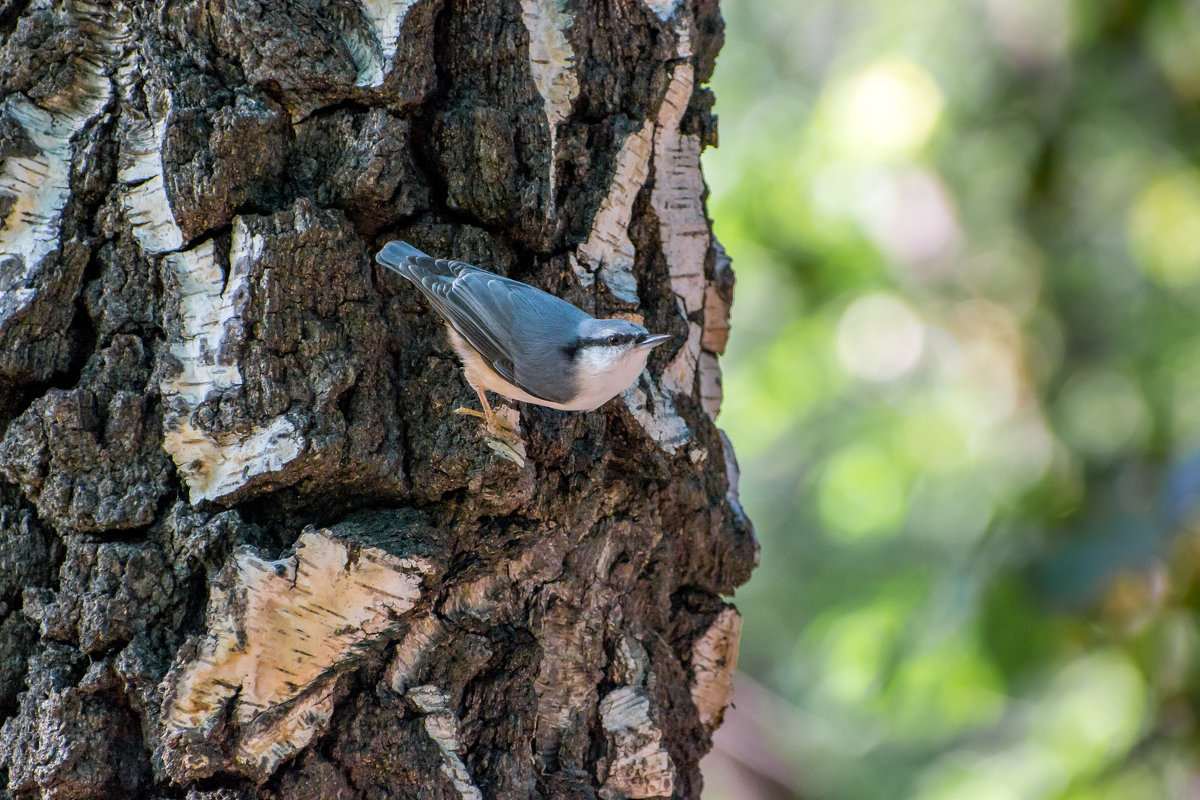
552	63
714	659
608	249
386	17
246	551
274	634
442	726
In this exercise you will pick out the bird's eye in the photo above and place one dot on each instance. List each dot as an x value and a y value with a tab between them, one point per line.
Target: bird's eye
614	340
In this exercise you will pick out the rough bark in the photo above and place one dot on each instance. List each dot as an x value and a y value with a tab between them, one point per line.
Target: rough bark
245	549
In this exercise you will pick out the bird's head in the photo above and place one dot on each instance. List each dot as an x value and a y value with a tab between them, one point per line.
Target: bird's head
612	352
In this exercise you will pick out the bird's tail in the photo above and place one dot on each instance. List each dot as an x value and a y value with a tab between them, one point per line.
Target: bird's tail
395	255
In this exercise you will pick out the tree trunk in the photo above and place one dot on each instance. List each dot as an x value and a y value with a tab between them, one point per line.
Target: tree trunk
246	549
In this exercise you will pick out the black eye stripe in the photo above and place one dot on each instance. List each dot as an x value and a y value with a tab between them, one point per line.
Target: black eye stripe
601	341
611	339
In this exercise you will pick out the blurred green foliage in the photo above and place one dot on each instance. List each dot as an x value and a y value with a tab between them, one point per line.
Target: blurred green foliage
964	389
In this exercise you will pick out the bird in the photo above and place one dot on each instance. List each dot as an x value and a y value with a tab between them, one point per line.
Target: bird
522	343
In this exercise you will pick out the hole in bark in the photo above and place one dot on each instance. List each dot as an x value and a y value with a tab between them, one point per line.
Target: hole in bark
352	106
82	334
345	402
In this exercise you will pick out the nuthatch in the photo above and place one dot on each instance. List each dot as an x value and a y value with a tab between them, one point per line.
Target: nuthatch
521	342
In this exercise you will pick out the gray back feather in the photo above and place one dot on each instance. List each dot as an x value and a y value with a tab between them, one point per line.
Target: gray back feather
521	331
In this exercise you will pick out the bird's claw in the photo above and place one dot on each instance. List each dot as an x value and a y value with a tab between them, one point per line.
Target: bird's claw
495	424
502	427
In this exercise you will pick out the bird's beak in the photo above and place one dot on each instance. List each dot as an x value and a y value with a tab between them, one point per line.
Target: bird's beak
653	340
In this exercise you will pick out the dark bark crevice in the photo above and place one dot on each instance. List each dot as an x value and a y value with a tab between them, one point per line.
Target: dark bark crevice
10	13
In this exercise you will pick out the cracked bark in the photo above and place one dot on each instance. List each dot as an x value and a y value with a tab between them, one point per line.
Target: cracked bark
245	549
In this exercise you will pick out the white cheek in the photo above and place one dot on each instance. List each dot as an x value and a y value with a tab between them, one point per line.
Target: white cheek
595	361
602	376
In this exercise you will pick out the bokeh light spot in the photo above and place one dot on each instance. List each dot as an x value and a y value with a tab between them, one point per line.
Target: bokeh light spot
1163	226
1093	711
945	690
1102	412
862	493
950	509
1021	451
888	110
855	646
1032	31
932	437
880	338
1020	772
911	217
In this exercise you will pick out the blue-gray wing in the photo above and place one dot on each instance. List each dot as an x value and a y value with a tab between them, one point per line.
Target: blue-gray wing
487	310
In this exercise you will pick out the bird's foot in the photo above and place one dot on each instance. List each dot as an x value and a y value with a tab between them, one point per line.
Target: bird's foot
495	423
499	426
504	438
500	434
